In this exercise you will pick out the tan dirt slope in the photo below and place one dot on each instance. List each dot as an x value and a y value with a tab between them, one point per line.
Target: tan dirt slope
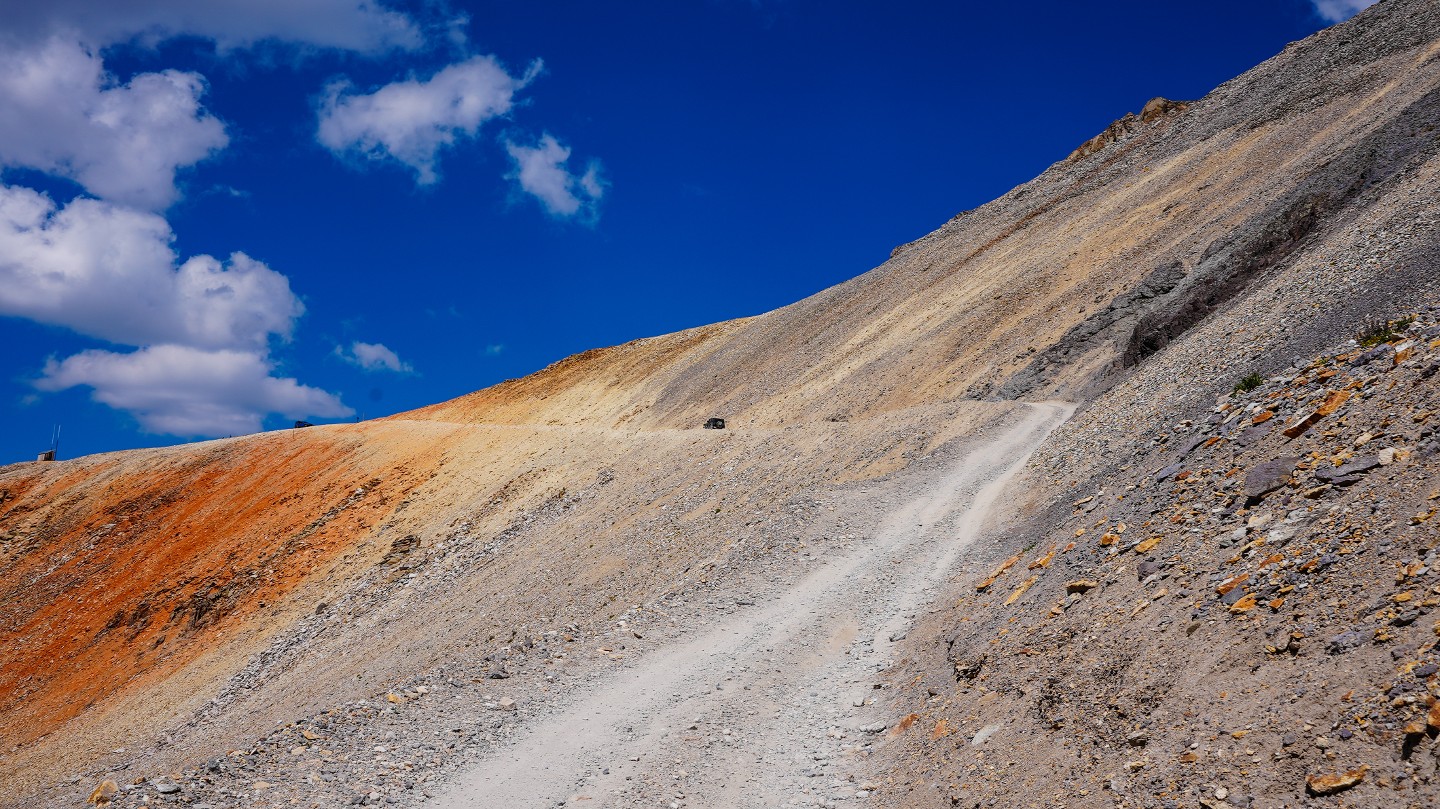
171	604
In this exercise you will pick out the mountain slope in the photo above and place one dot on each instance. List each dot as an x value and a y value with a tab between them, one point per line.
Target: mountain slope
176	603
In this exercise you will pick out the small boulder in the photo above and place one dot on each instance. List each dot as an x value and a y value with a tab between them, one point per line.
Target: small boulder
1338	782
1344	642
1351	468
1269	476
1168	472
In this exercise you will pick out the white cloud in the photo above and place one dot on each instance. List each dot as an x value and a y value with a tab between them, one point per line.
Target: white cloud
110	272
357	25
542	173
203	327
188	391
62	114
1339	10
410	121
373	357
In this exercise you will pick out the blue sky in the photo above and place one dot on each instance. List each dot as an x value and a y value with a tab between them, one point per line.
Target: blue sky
221	217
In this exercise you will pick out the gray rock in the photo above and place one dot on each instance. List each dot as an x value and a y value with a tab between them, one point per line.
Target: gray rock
1250	435
1370	356
1269	476
1351	469
1344	642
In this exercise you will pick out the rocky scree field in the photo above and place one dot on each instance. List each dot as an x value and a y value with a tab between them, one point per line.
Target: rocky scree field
1244	614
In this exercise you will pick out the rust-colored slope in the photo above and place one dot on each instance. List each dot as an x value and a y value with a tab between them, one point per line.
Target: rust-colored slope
120	568
225	549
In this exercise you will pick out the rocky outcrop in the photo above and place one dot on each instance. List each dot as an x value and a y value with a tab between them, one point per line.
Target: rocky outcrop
1154	110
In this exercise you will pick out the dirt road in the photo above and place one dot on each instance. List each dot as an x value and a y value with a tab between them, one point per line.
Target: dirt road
772	705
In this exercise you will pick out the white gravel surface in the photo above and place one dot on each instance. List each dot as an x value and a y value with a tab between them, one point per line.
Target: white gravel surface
775	704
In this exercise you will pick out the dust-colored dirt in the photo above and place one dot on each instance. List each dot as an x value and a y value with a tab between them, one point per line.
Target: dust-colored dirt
740	714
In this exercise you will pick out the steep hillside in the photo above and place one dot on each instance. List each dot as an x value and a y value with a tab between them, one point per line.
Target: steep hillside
162	608
1056	288
1240	605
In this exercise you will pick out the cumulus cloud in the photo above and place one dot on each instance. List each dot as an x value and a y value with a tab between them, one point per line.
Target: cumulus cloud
110	272
357	25
411	121
63	114
541	172
1339	10
373	357
203	327
181	390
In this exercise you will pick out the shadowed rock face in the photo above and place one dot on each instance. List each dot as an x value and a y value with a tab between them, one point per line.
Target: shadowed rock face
225	586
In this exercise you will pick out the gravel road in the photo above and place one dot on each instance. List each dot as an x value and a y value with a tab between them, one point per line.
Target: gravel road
775	704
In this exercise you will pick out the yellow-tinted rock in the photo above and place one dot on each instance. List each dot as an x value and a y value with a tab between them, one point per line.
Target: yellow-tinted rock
1020	591
1332	403
1044	561
998	572
1339	782
1243	605
102	794
1231	583
1403	352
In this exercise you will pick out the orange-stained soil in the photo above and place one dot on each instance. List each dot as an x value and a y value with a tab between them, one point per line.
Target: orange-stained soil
124	575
